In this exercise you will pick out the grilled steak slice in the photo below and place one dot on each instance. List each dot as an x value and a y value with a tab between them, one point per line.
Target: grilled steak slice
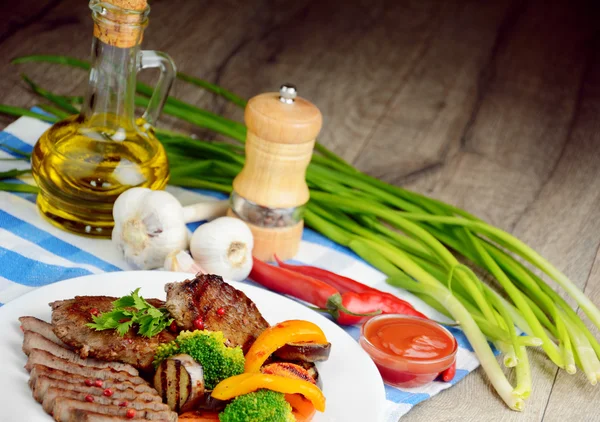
29	323
69	319
53	393
42	378
64	409
241	323
41	357
33	340
43	384
80	415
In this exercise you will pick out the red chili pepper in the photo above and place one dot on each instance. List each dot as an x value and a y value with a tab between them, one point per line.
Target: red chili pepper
291	283
341	283
449	373
302	287
371	301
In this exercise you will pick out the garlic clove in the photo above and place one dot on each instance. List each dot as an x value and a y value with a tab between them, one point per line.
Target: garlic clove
181	261
224	247
148	226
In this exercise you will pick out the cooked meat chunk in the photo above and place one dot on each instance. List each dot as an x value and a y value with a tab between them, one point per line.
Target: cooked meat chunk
29	323
69	319
64	411
42	357
33	340
241	323
45	372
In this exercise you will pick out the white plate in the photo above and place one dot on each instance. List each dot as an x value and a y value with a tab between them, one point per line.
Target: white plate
352	385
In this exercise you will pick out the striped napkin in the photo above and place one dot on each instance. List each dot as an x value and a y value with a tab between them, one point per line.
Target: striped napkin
34	253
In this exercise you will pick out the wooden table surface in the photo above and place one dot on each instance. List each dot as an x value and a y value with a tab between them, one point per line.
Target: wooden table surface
493	106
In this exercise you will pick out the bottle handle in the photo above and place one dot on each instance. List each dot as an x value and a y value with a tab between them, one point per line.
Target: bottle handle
150	59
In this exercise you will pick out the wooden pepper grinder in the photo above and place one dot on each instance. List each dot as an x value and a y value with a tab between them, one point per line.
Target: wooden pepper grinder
270	192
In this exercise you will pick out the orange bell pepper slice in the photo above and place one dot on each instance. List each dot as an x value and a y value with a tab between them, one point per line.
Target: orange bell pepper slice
249	382
271	339
302	409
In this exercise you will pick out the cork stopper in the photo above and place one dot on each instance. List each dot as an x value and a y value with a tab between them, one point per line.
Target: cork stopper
138	5
120	23
283	117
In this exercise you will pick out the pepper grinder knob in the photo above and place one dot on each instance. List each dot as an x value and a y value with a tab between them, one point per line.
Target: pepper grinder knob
287	93
270	192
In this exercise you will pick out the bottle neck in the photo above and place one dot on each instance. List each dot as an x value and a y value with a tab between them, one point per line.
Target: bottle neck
110	98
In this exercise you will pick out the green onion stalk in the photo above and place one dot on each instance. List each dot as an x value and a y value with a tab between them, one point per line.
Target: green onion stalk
432	249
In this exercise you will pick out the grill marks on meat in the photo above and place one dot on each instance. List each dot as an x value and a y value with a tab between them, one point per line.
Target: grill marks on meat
33	340
69	319
58	381
241	323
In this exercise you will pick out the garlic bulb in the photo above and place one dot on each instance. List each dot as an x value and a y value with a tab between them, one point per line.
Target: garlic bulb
224	247
148	226
181	261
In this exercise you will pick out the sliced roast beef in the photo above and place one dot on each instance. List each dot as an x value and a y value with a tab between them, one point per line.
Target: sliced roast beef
29	323
43	384
41	357
115	400
241	323
64	409
41	371
80	415
69	319
33	340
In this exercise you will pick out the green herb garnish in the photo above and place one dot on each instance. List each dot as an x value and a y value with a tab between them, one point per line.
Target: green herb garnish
133	310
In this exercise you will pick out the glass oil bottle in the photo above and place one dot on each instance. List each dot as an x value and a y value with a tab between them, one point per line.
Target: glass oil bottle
84	162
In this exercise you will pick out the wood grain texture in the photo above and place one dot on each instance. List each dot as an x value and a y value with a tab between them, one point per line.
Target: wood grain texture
491	106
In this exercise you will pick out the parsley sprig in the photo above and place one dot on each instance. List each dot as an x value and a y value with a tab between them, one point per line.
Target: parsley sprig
133	310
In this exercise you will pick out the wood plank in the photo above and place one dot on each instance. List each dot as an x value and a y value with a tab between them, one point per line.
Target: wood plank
507	156
430	109
347	59
573	193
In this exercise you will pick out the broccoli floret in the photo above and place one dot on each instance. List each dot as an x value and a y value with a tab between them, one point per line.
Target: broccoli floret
258	406
208	349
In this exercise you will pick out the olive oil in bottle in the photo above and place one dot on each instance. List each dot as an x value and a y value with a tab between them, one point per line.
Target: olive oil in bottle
84	162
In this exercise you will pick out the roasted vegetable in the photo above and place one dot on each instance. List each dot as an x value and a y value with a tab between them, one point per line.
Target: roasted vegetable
271	339
258	406
180	382
288	370
246	383
199	416
208	349
302	409
305	352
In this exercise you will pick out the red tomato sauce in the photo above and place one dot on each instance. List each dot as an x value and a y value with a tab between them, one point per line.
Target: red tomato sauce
408	351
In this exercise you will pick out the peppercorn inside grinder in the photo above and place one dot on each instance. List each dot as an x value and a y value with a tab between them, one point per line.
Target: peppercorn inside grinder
270	193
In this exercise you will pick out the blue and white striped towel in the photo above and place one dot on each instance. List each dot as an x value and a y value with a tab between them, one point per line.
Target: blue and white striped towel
34	253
